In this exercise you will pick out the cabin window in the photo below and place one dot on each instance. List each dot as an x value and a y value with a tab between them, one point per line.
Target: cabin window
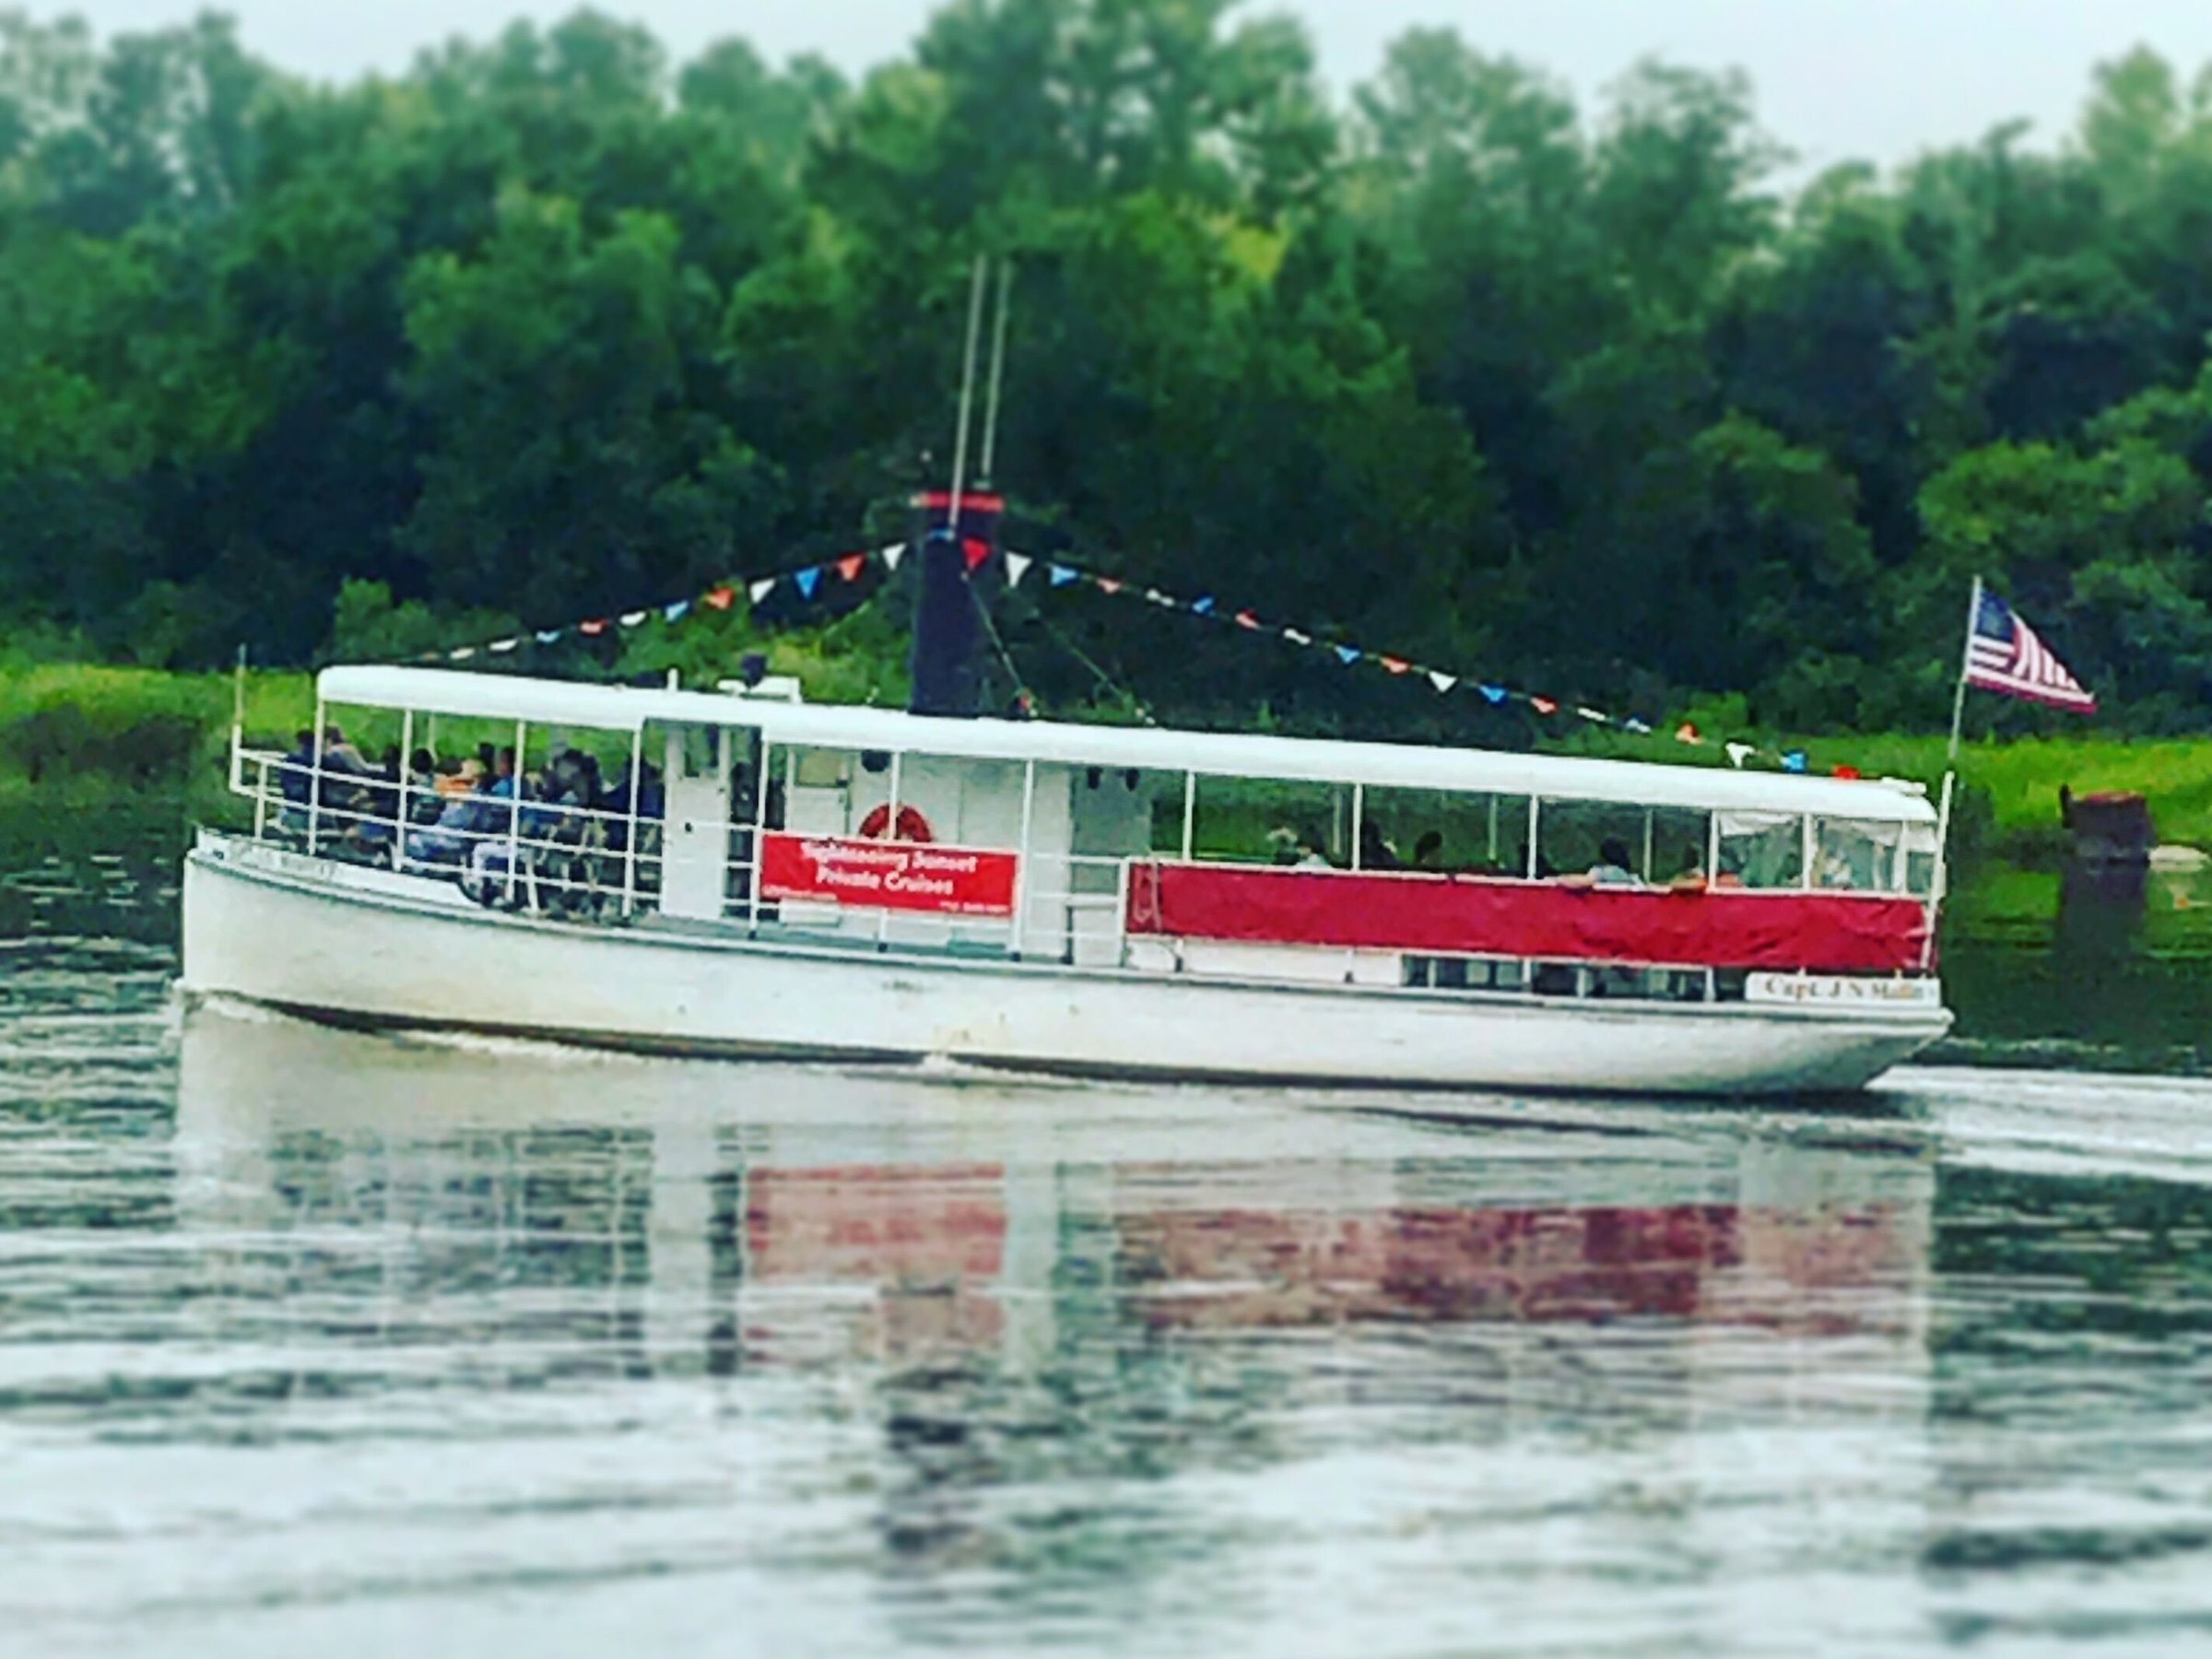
701	751
1258	820
1441	831
1574	837
1674	843
1920	861
1855	856
820	767
1760	850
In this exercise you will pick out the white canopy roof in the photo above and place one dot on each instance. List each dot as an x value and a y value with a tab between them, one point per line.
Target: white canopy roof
1232	755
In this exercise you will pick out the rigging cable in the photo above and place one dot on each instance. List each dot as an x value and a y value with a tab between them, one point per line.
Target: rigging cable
1112	687
998	643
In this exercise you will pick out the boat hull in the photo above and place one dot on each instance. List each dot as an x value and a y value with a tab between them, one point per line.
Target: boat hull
413	954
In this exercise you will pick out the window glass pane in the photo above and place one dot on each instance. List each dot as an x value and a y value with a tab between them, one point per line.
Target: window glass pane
702	750
1855	857
1760	850
1676	838
1582	837
1920	861
1259	820
1441	831
1864	857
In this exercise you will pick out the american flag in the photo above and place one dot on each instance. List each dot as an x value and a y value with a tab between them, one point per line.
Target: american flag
2005	656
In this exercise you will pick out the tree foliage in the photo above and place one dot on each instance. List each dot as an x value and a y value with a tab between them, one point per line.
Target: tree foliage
550	325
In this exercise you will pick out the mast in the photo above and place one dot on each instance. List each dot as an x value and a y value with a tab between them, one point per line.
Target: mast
999	371
958	537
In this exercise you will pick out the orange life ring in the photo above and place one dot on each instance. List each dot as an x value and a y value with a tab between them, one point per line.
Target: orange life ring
913	826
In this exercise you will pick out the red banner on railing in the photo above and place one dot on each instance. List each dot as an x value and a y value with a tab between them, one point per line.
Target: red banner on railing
883	875
1824	933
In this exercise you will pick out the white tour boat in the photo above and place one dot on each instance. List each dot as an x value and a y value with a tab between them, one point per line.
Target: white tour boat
732	873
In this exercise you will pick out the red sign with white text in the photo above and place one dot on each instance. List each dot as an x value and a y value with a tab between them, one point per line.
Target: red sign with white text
887	875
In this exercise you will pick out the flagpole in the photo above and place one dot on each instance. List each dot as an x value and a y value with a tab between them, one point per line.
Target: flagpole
1966	658
1941	879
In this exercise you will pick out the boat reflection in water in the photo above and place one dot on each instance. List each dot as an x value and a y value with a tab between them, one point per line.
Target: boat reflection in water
1035	1353
744	1217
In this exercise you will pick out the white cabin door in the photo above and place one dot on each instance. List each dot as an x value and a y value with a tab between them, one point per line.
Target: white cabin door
696	834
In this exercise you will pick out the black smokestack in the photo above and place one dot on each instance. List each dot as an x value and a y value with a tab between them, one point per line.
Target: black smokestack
960	569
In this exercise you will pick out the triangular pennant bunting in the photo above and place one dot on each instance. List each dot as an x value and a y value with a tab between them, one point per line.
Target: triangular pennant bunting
634	619
503	646
808	579
852	565
975	550
597	625
761	589
723	598
892	554
547	636
675	610
461	654
1496	694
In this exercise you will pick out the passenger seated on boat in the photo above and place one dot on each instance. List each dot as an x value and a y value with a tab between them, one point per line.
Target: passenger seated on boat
567	834
296	771
381	796
652	805
1291	849
296	784
1429	852
457	777
355	813
340	756
538	854
1611	868
576	776
461	821
423	788
1375	851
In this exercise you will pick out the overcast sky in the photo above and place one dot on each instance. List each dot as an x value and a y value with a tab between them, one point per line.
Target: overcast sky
1837	79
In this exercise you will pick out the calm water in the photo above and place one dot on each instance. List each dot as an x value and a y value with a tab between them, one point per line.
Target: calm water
328	1345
